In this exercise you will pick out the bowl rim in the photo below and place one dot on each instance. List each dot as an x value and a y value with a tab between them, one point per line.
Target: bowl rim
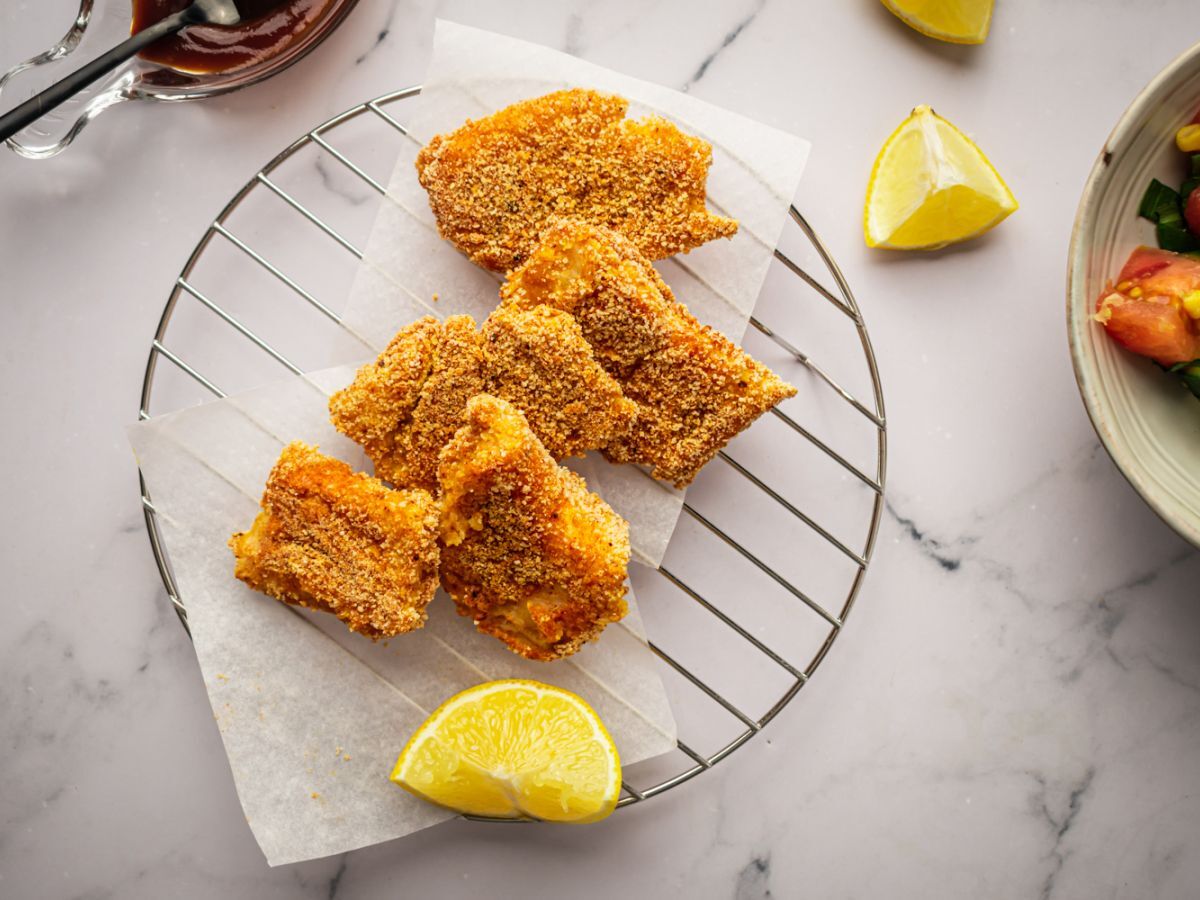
1122	133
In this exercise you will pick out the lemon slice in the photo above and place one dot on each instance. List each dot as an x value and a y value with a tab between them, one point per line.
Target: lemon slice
514	748
931	186
956	21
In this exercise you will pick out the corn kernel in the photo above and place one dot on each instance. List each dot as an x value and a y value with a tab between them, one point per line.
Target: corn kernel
1124	285
1187	139
1135	293
1191	302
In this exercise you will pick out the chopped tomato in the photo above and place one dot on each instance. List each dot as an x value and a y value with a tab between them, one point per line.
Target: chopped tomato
1191	211
1147	311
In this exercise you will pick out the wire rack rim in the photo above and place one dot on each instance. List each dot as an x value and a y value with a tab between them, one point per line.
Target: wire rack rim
848	305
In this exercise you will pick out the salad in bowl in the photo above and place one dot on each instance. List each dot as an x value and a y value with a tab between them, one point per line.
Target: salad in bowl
1133	304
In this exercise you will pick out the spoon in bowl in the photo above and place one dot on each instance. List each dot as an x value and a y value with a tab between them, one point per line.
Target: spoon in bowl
200	12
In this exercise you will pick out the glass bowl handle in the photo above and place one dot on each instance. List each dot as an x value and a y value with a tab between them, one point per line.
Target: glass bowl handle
57	128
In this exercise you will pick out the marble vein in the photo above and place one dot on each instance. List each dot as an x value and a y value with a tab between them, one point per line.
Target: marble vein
753	881
571	40
1060	826
381	35
931	547
334	182
336	881
726	42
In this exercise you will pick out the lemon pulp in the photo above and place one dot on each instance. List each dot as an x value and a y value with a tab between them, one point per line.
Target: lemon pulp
931	186
514	748
956	21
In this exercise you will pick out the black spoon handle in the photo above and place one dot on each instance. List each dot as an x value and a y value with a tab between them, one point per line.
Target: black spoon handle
33	108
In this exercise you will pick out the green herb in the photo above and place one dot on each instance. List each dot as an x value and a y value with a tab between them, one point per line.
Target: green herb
1189	374
1188	186
1173	235
1164	207
1157	199
1170	216
1195	169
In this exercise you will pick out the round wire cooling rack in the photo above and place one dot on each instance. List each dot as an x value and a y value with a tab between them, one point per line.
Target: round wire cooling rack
786	519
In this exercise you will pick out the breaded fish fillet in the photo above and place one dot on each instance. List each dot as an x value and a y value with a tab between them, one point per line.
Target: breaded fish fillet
330	539
529	553
694	389
495	183
538	360
404	407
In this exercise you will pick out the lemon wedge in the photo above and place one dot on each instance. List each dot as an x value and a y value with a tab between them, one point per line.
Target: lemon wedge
514	748
931	186
956	21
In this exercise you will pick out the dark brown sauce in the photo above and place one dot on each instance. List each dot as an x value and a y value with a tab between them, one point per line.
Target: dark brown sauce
268	28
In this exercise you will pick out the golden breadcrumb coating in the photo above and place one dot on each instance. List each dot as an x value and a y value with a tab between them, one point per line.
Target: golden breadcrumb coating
334	540
538	360
495	182
694	388
529	553
406	405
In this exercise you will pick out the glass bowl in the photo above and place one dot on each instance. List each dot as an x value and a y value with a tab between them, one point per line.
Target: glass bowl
101	24
1148	422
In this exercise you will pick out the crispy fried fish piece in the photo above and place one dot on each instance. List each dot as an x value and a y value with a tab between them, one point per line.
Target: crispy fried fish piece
404	407
538	360
533	556
330	539
495	182
694	389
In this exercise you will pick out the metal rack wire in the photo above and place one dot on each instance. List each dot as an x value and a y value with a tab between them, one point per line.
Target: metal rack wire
831	618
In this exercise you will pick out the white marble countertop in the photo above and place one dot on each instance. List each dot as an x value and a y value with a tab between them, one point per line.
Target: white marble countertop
1014	709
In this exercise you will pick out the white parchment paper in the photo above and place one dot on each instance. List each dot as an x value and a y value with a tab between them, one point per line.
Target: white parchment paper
755	173
313	716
